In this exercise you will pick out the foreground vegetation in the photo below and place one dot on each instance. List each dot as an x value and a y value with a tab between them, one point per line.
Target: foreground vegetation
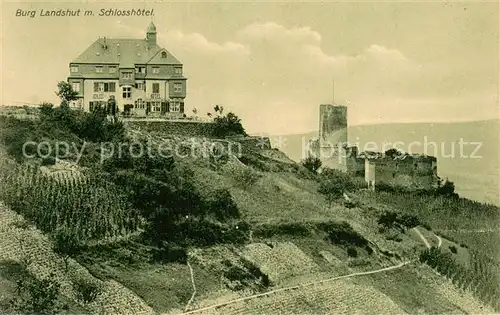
139	220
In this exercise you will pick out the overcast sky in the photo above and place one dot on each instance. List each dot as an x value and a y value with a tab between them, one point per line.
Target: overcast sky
273	63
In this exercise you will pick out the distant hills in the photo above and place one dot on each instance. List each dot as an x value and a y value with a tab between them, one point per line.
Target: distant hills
474	165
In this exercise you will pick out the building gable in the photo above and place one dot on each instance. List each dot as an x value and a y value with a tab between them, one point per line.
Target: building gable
164	57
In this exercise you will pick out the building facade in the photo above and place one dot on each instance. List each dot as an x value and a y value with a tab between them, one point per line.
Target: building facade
144	78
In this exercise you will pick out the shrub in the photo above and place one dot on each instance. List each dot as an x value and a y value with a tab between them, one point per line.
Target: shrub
87	291
352	252
311	163
222	205
36	296
343	234
447	188
453	249
228	125
387	219
409	221
333	183
169	252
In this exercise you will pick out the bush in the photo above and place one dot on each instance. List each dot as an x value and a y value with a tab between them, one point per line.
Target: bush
289	229
169	253
87	291
453	249
352	252
343	234
409	221
36	296
311	163
447	189
333	183
387	219
222	205
228	125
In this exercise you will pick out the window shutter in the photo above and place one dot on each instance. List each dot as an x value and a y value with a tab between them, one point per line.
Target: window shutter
106	87
181	106
163	107
96	86
112	87
148	107
168	106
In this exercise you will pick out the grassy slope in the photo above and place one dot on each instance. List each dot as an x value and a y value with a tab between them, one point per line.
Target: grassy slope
274	198
280	198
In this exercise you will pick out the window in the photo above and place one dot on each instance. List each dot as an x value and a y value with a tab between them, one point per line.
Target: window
110	87
98	69
155	106
104	87
164	54
141	70
127	75
74	69
75	86
139	104
178	70
127	92
139	86
112	69
100	87
177	87
175	105
156	87
156	70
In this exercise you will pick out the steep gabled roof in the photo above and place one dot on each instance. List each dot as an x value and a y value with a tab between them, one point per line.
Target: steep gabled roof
158	58
125	52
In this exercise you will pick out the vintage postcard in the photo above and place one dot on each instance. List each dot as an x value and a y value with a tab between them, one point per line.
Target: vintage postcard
250	157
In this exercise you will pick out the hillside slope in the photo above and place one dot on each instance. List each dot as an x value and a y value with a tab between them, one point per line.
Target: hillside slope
272	258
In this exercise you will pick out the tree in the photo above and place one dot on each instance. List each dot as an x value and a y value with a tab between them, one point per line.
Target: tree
393	153
332	189
311	163
228	125
65	243
334	183
447	189
65	93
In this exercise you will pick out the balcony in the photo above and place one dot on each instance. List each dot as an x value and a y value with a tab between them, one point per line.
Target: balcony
98	96
155	96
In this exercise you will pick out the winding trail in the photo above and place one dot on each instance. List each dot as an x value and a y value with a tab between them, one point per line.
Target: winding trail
246	298
440	241
423	238
194	287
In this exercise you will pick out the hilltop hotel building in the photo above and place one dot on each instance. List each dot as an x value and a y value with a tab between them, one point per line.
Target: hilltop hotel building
144	78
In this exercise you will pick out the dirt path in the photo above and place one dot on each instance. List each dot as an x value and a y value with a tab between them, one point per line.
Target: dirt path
424	240
440	241
194	287
246	298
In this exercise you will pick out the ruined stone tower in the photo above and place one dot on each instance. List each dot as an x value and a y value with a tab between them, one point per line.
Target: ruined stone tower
332	140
